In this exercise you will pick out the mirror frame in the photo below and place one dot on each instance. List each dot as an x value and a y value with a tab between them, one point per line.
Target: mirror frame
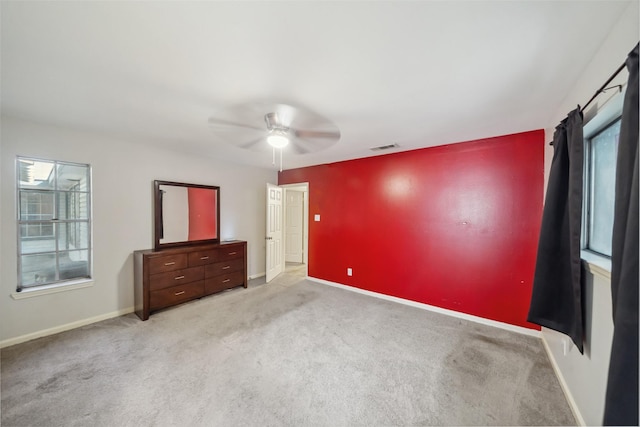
157	207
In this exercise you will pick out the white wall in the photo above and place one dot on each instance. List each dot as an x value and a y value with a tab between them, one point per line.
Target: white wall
123	175
584	376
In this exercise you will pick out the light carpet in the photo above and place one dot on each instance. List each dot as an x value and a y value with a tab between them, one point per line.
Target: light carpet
291	352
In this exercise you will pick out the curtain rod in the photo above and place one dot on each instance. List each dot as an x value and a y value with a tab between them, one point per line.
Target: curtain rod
603	88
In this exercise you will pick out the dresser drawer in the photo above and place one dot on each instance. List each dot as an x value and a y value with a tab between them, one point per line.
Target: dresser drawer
220	283
167	263
231	252
223	267
175	295
177	277
203	257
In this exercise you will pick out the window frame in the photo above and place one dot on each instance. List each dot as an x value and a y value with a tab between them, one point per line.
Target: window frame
55	224
604	117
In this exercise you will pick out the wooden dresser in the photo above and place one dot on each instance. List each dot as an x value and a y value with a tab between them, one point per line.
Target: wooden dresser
173	276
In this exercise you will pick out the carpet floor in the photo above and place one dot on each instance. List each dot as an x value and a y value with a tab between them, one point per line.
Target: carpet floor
291	352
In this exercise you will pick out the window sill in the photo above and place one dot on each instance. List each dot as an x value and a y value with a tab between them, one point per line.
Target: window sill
52	289
597	264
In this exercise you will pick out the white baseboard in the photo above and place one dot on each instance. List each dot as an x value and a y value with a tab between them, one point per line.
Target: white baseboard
452	313
255	276
563	383
65	327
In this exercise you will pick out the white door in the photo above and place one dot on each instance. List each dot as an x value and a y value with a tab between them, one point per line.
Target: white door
294	226
275	260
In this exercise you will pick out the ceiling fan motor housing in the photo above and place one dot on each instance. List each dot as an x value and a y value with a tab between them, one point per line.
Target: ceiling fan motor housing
273	123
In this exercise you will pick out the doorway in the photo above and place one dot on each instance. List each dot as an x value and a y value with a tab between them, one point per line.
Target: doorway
296	227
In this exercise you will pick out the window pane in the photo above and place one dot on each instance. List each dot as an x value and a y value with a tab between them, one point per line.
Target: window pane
73	177
36	205
73	235
34	239
74	265
46	229
37	230
73	205
38	269
604	150
36	174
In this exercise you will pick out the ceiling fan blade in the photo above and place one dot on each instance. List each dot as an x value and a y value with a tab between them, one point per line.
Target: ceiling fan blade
298	148
331	134
251	144
222	122
303	146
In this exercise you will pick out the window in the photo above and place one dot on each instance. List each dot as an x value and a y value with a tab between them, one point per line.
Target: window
601	149
54	222
602	152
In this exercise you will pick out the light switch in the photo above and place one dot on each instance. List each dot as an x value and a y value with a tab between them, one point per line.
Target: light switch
316	217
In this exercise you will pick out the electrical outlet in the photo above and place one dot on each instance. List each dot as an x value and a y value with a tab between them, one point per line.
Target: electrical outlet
349	272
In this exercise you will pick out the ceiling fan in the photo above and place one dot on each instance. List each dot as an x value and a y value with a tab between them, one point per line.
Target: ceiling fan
267	127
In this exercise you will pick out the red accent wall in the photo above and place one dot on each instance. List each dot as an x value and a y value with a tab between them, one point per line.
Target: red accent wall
202	214
453	226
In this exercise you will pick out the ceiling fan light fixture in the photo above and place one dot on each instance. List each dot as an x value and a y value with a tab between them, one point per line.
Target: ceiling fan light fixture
278	139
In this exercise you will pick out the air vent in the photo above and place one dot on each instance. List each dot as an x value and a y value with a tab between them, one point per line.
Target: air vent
384	147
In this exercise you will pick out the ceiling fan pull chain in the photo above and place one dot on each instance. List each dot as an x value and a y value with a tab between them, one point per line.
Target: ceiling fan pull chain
273	162
281	160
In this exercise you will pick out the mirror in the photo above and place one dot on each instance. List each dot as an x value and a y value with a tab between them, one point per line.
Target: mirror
186	214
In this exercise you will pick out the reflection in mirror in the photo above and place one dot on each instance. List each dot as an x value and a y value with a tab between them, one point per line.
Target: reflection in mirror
186	213
175	214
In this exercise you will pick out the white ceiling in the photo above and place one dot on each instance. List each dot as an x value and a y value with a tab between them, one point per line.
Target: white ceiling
416	73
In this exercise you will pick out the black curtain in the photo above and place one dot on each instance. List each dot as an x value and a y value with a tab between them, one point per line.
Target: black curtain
556	301
621	406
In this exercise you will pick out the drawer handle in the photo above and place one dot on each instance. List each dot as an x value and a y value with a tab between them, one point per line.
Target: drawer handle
226	266
170	263
179	277
179	293
204	257
226	280
232	253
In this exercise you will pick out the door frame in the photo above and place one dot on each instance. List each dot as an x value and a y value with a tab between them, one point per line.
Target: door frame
304	187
